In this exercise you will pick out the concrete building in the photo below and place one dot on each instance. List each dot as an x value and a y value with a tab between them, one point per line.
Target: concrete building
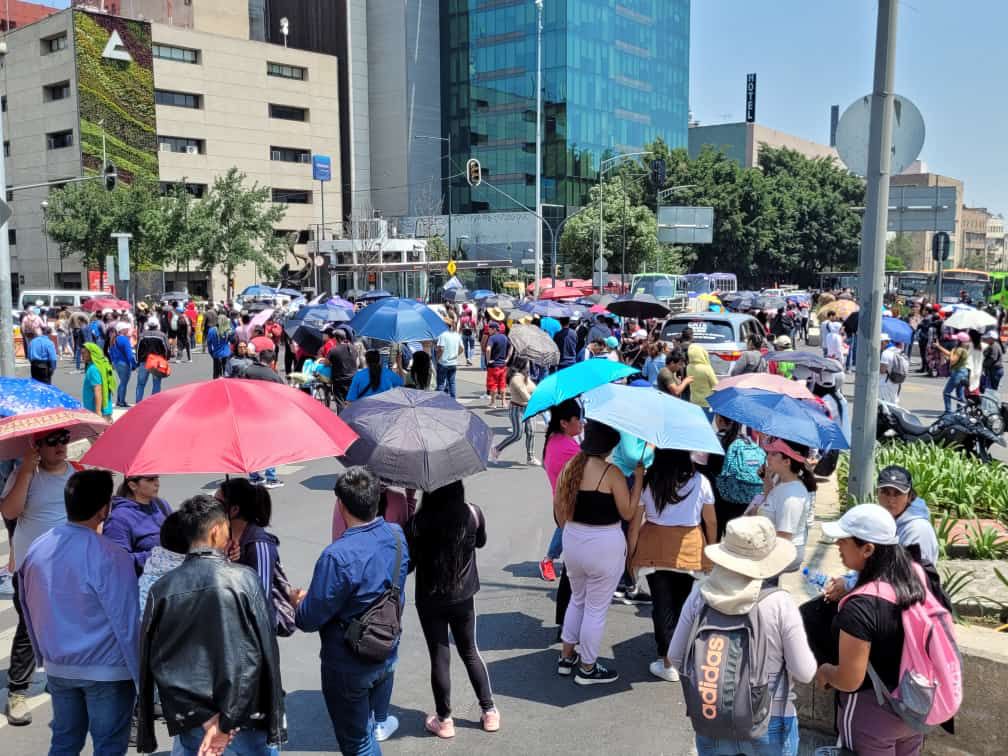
17	13
169	101
974	237
922	239
996	247
741	142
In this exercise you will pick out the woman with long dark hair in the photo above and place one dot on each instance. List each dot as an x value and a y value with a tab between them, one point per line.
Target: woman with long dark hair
136	517
420	371
373	379
443	537
870	631
736	473
560	446
520	386
675	520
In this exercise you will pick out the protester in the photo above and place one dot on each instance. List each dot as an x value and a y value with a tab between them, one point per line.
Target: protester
166	556
559	448
183	329
590	501
419	374
260	367
670	379
498	353
737	480
443	537
698	367
79	598
123	360
520	388
654	362
237	362
42	358
31	326
136	517
975	363
237	698
152	341
751	360
675	519
449	347
788	486
395	505
99	382
749	555
343	359
889	387
467	329
351	575
993	361
374	379
218	343
566	341
871	632
959	360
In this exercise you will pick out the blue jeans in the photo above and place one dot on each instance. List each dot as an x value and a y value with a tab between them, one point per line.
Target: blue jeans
82	706
556	544
245	743
781	740
123	371
352	695
446	379
142	374
467	345
955	386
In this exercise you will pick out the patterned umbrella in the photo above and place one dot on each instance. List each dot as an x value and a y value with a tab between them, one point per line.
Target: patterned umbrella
20	395
534	344
81	423
842	307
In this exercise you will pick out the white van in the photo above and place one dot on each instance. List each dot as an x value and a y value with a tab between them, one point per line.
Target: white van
47	298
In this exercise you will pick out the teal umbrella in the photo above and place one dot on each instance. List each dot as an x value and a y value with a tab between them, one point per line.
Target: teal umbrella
573	381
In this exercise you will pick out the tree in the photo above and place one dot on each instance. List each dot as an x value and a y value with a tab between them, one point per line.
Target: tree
893	262
237	226
437	249
900	248
174	227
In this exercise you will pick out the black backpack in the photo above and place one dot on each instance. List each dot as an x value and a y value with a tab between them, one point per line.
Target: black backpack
373	635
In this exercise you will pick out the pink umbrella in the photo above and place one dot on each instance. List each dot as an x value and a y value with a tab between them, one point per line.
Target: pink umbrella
597	308
260	318
776	384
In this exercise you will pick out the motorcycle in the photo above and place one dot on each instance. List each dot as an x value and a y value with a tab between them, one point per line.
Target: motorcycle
959	428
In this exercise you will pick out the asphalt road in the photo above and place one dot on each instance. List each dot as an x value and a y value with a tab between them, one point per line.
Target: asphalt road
541	712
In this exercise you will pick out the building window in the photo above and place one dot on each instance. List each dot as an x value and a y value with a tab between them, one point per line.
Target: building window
290	155
178	99
292	196
57	140
196	190
170	52
288	112
286	72
53	92
54	44
181	144
12	237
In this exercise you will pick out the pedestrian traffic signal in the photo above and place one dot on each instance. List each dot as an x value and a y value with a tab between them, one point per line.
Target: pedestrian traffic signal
474	174
111	176
940	246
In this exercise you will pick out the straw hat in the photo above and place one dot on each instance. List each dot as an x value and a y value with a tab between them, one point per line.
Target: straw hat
751	547
496	313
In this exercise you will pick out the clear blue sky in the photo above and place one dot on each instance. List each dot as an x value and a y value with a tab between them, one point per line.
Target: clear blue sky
809	54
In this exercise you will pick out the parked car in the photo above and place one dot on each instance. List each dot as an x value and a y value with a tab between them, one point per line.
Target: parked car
722	334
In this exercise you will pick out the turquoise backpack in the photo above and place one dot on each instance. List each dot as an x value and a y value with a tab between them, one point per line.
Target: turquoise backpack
739	480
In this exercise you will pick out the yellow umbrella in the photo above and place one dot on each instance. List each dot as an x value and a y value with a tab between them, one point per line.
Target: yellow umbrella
842	307
711	298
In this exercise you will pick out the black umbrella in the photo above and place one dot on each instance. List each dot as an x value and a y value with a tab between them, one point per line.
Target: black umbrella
769	303
455	295
807	359
309	338
420	439
637	306
503	301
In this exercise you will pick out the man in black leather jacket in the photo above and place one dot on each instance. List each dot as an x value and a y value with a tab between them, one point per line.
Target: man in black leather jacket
208	643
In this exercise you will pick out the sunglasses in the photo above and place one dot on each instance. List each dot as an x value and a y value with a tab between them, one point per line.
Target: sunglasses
57	439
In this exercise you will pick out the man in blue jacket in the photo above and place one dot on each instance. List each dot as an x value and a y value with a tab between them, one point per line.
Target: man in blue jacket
81	610
352	573
123	360
42	356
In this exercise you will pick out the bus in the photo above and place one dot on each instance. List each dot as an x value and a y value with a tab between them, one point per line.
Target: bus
668	289
976	284
839	280
915	283
999	288
711	283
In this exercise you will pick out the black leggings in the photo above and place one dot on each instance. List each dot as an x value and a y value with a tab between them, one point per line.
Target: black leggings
183	343
219	365
669	591
461	619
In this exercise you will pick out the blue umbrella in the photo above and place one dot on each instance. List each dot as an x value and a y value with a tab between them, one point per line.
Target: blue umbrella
898	330
482	294
549	310
398	320
573	381
289	292
375	294
258	291
807	359
321	314
343	304
651	415
20	395
780	416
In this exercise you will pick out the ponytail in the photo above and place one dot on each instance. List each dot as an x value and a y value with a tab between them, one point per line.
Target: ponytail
568	485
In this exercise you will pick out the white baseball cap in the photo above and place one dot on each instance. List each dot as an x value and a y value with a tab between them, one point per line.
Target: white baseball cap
866	522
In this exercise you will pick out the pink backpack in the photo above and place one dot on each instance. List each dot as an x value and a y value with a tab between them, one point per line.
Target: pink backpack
930	689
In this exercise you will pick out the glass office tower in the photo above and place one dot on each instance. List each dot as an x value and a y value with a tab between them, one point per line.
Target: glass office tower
615	77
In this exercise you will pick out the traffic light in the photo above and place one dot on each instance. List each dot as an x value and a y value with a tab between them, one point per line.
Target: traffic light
111	176
474	174
658	172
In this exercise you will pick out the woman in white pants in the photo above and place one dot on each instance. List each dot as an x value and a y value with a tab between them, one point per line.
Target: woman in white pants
591	500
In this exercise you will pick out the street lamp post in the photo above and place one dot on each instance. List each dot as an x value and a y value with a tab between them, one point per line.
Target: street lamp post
45	238
538	153
449	156
604	167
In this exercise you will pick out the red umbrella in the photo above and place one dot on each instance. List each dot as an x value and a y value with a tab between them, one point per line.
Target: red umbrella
561	292
105	303
228	425
776	384
14	430
597	309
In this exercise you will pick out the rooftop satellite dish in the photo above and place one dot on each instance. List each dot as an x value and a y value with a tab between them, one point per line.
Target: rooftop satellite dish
853	130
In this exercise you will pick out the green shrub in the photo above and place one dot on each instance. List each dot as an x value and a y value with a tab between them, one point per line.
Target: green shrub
948	480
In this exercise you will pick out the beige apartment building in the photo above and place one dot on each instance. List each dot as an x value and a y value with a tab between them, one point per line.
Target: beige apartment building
175	102
922	239
974	234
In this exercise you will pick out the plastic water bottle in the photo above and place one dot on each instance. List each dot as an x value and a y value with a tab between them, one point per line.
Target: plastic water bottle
816	578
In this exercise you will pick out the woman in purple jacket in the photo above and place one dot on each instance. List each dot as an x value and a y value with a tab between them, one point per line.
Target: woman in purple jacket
136	517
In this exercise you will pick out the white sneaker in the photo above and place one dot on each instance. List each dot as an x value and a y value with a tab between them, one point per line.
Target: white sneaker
385	730
658	669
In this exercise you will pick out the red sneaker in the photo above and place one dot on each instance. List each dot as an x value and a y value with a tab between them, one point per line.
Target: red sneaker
546	570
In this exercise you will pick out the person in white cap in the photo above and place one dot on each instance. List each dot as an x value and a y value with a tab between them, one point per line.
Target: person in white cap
871	632
750	553
888	389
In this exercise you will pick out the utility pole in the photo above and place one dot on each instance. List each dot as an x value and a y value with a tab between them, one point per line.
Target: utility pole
6	299
872	260
538	153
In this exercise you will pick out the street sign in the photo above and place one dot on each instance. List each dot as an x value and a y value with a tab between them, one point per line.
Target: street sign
685	225
750	98
451	267
321	166
5	212
854	127
940	244
601	266
922	208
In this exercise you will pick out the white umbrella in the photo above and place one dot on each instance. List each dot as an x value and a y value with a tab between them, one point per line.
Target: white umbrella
964	320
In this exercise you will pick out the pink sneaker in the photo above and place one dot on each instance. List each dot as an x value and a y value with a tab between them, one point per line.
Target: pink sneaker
491	720
442	728
547	570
